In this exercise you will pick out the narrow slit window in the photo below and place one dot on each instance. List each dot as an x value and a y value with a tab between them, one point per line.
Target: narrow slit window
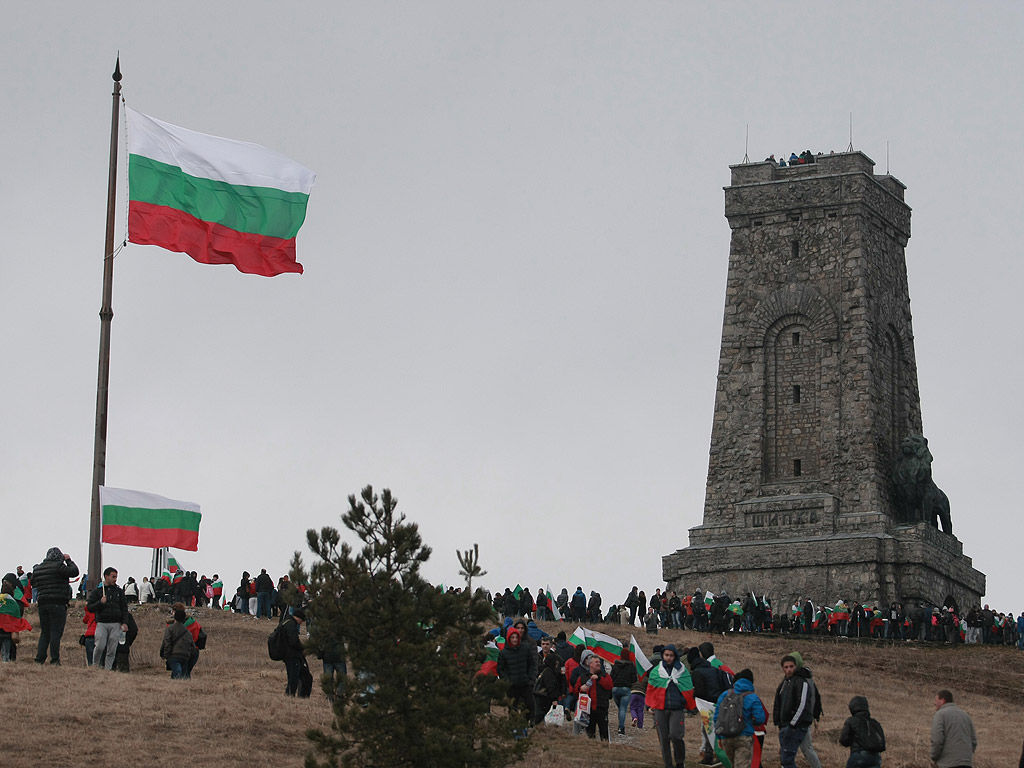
796	249
796	467
796	394
796	338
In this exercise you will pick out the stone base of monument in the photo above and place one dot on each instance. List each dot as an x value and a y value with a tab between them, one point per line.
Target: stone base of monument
801	547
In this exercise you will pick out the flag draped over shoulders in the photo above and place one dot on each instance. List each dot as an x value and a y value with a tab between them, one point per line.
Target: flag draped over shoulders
219	200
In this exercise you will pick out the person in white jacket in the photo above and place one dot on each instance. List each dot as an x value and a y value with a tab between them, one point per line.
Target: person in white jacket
146	591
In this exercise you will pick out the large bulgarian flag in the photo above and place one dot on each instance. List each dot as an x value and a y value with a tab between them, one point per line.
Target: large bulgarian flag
10	615
658	681
605	646
220	201
146	520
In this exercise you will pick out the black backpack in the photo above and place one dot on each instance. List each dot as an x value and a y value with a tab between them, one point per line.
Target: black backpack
875	739
277	644
729	715
201	640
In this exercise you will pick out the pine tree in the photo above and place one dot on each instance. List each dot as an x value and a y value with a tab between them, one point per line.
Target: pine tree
415	699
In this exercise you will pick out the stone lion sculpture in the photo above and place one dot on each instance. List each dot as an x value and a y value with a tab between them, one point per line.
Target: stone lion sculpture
917	496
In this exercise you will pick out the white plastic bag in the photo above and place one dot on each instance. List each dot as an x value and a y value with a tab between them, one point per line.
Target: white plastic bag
555	716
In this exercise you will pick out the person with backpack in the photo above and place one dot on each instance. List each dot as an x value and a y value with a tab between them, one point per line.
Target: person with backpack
863	735
295	657
738	713
708	684
177	646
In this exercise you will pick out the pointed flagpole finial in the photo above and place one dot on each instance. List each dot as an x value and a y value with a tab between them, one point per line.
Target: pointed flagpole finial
117	70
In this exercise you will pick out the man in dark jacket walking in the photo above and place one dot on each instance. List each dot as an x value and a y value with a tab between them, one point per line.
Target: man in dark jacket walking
109	604
52	591
794	707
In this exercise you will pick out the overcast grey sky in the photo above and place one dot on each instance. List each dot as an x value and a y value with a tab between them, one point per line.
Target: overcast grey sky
515	261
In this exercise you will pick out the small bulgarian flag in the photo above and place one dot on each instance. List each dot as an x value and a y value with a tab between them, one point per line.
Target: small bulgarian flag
717	663
10	615
640	660
220	201
735	608
218	588
172	564
709	599
605	646
658	681
490	665
140	519
551	605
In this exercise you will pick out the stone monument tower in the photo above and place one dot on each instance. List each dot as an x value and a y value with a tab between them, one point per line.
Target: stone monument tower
817	390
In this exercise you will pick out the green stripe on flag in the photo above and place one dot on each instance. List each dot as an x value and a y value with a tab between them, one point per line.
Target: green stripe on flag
256	210
135	517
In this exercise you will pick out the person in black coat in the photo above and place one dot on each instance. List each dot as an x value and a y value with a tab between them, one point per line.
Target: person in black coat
517	665
857	737
294	656
109	604
52	592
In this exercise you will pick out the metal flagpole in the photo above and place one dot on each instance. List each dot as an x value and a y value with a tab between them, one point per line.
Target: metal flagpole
99	459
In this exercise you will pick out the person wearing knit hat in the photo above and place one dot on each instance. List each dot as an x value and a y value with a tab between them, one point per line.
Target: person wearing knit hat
796	702
51	593
740	747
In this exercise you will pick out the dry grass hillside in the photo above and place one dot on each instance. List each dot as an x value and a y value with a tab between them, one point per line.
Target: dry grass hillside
234	712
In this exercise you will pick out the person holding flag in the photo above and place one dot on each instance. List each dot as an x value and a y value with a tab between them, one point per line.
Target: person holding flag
670	694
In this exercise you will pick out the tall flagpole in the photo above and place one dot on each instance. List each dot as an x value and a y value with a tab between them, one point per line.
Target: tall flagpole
99	458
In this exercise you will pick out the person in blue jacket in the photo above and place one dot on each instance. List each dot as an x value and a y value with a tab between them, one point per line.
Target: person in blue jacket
740	748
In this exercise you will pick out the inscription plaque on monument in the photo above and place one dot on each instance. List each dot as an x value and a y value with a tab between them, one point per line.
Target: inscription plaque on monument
817	404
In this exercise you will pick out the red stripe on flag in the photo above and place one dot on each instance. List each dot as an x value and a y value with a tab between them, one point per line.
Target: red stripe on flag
210	243
154	538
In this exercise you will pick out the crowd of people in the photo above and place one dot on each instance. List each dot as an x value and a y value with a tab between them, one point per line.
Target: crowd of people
703	611
554	678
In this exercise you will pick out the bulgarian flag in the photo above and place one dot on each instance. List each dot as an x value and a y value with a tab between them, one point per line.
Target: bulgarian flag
717	663
605	646
709	599
490	665
218	588
10	615
172	564
220	201
639	658
840	613
658	681
735	608
551	605
146	520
